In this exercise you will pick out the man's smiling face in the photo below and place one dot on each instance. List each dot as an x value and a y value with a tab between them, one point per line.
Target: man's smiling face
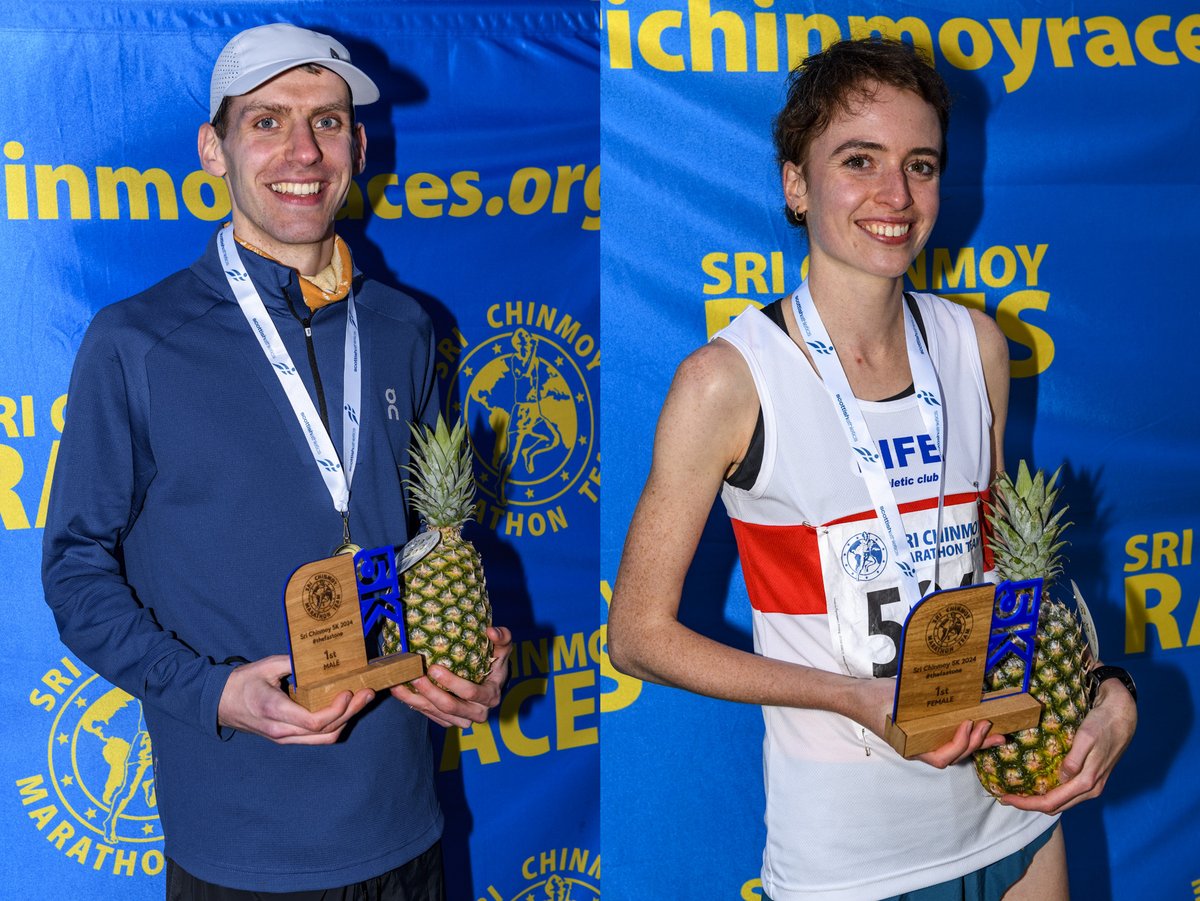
289	152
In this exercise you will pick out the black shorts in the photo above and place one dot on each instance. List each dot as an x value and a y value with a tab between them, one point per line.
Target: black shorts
418	880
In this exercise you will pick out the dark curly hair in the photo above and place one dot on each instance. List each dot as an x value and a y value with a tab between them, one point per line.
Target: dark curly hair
828	83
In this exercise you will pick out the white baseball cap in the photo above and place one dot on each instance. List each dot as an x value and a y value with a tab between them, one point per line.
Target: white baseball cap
259	54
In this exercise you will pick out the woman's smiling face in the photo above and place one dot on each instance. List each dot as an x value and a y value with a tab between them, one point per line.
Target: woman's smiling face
869	186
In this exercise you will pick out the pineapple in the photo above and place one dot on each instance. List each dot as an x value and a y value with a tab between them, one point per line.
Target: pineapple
446	610
1026	542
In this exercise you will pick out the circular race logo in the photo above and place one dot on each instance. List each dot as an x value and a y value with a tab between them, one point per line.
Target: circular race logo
561	888
864	556
564	874
101	763
322	596
529	392
949	629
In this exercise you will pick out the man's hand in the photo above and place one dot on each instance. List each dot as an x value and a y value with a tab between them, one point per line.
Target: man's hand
1099	743
254	701
460	702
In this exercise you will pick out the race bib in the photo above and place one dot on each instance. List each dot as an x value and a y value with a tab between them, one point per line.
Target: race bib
866	612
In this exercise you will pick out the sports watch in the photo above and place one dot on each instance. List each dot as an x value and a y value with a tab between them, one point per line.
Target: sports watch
1103	673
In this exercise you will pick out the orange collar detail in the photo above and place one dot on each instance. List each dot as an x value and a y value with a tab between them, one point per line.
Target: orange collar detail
329	285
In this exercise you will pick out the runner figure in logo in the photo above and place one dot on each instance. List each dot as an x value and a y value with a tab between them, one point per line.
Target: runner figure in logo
949	629
322	596
864	557
101	763
536	405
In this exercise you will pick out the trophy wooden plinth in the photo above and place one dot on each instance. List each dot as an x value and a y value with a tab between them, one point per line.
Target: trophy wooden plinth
948	640
324	601
378	674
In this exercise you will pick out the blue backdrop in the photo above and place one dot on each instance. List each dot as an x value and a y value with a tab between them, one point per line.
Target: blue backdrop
1065	215
481	199
1071	170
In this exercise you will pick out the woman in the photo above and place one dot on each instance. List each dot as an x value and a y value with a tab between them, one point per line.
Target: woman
805	446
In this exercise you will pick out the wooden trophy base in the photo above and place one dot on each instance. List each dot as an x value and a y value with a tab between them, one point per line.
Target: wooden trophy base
916	736
379	674
324	602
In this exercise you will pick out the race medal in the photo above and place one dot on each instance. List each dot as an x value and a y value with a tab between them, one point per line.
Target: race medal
336	472
414	551
347	546
888	552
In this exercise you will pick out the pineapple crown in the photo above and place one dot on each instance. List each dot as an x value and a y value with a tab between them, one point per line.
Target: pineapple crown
442	484
1026	529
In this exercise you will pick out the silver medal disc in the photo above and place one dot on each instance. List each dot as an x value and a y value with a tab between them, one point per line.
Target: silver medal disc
412	552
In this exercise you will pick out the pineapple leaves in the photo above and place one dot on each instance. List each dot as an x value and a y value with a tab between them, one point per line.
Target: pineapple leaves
1026	527
442	483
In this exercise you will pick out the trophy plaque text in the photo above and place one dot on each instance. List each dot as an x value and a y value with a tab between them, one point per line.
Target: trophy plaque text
950	640
331	605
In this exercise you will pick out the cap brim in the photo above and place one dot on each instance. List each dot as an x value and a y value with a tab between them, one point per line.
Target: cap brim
362	89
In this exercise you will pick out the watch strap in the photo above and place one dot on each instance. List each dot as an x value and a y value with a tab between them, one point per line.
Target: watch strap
1101	674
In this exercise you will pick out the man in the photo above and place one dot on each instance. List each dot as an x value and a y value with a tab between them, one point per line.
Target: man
194	477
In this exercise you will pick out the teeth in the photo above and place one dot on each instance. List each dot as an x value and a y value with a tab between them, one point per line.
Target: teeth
888	231
295	187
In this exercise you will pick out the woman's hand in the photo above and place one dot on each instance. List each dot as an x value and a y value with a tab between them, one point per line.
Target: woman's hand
1099	743
874	705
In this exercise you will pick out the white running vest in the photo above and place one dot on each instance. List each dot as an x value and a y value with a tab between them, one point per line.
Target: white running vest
842	823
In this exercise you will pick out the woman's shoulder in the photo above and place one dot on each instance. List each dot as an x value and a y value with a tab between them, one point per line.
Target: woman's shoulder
983	327
993	345
710	410
715	374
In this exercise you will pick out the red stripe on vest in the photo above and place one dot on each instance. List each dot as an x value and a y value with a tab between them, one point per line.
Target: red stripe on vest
782	564
782	567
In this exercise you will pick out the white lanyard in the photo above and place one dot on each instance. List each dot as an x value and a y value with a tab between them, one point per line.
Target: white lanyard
337	478
854	424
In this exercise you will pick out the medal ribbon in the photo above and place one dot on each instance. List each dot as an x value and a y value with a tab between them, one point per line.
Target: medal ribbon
854	424
336	477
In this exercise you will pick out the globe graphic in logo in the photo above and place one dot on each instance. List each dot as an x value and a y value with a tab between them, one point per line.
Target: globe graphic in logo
949	629
101	763
863	556
529	395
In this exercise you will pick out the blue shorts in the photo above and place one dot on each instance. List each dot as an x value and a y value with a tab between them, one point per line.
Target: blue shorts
986	884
